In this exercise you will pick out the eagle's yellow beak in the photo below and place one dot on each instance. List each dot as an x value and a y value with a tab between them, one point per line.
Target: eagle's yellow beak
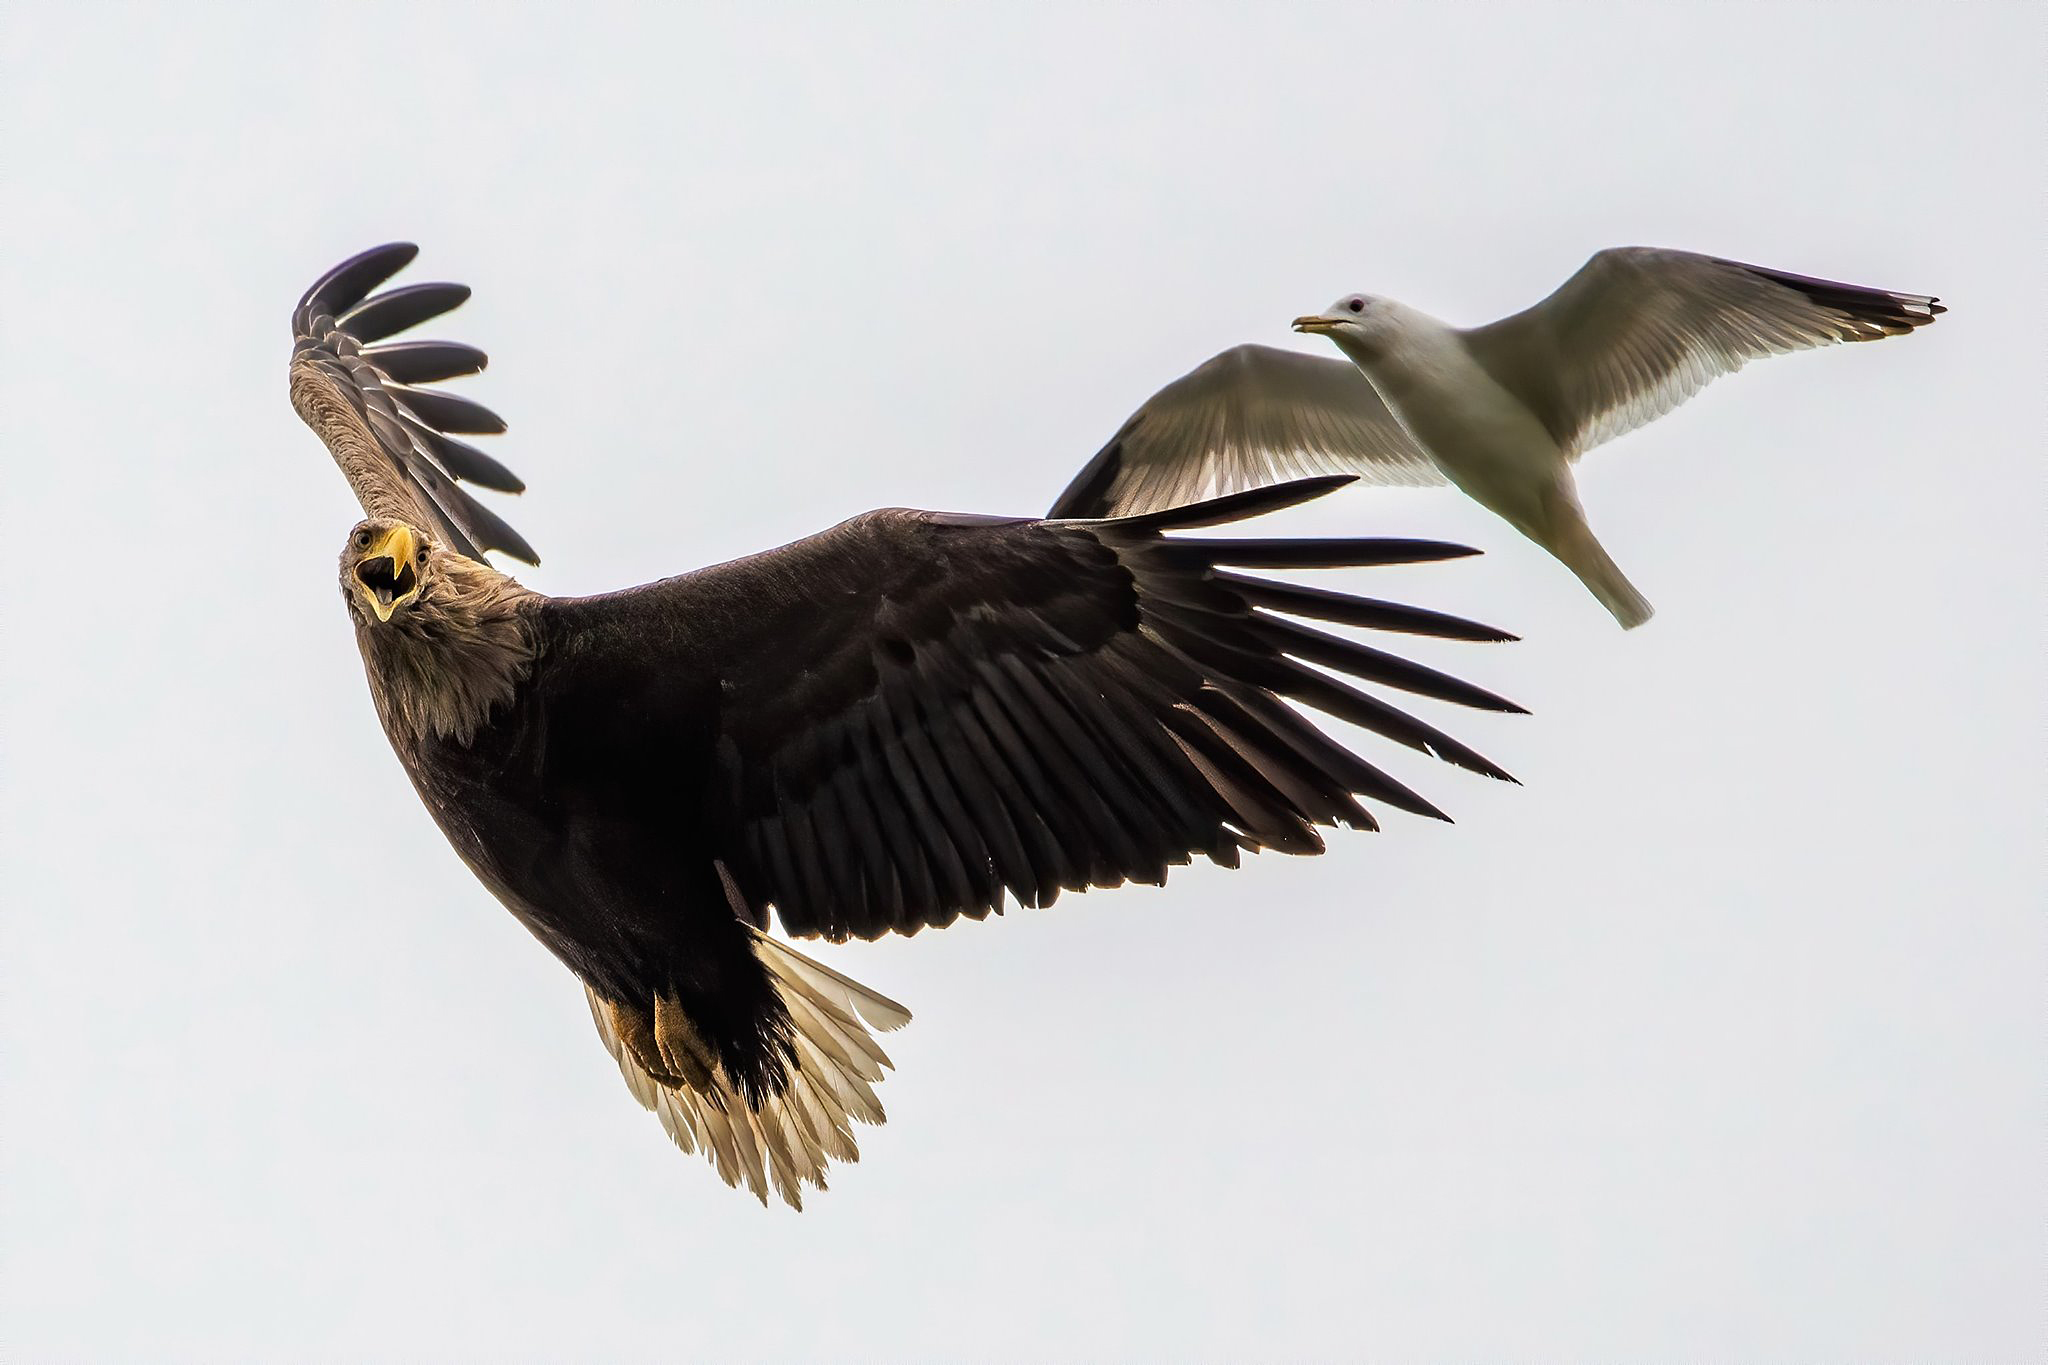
387	576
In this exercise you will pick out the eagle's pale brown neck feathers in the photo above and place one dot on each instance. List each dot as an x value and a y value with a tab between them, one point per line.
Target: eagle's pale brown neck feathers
439	667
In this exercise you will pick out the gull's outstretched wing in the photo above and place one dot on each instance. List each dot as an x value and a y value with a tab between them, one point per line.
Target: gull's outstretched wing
1250	416
1638	330
394	440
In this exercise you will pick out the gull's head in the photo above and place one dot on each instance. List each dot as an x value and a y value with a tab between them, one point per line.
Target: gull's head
1360	323
1354	313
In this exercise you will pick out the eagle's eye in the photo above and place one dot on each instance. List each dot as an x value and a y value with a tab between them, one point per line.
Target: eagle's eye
363	539
1358	305
422	556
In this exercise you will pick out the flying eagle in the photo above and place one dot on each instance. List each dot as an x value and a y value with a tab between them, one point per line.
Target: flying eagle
892	724
1502	411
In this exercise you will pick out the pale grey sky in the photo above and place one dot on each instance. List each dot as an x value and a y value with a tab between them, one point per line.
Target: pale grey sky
1721	1039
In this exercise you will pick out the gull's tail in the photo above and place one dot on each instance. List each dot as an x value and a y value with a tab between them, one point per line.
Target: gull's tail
1572	541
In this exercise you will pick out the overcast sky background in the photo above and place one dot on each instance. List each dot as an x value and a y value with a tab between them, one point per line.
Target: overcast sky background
1721	1039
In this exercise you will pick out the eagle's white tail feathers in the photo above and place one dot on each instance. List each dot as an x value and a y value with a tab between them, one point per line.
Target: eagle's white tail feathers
788	1141
853	998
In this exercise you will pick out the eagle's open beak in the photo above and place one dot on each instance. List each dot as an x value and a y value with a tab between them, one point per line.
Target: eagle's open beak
385	576
1313	324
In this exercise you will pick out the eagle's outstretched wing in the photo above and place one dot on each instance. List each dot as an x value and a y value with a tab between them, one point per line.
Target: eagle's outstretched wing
395	440
904	719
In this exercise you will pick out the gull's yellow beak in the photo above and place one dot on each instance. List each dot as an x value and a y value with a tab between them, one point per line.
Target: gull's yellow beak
1314	324
387	576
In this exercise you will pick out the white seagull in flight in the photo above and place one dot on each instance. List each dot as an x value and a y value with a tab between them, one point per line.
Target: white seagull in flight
1502	411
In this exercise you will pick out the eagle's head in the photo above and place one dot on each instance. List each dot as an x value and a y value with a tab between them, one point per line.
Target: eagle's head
386	569
445	638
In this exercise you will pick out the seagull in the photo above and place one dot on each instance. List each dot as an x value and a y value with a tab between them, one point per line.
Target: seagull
1501	411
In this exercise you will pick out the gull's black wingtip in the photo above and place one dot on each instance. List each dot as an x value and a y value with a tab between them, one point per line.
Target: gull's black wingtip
1885	312
1087	497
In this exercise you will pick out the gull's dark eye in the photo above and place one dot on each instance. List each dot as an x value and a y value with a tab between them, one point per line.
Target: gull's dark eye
1358	305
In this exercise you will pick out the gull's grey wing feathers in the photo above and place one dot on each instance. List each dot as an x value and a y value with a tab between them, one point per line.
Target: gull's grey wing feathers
1638	330
1252	415
392	438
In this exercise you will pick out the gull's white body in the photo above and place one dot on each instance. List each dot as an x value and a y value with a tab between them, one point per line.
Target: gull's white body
1501	411
1483	438
1485	441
